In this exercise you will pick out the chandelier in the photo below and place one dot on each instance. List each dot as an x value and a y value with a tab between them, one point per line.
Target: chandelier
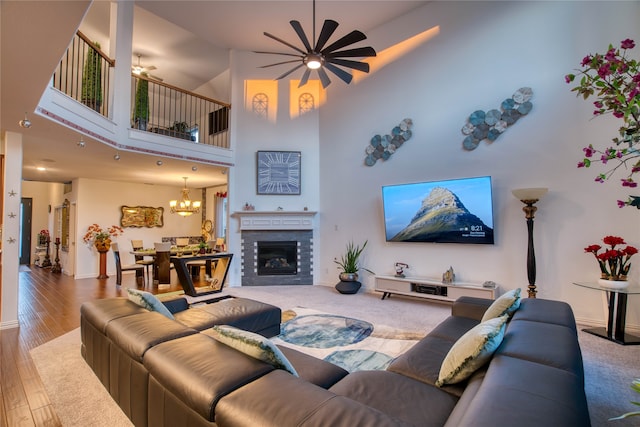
185	206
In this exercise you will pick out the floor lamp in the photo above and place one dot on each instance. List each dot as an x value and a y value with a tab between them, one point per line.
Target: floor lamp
529	196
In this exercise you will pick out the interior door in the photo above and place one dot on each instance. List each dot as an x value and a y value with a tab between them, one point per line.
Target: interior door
26	205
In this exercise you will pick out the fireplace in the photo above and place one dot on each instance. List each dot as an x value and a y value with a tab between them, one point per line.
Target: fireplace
277	258
276	247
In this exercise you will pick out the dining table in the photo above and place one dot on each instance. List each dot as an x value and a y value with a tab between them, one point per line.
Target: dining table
162	262
183	258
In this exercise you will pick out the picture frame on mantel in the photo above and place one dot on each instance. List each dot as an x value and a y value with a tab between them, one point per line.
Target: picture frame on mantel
278	172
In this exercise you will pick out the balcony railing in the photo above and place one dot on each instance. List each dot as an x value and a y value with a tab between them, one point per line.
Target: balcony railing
167	110
84	74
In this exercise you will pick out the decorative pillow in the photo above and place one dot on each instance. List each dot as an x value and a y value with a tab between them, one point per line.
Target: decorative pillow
253	345
149	301
472	350
507	303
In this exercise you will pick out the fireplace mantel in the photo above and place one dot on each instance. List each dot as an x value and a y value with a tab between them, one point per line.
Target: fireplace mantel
275	220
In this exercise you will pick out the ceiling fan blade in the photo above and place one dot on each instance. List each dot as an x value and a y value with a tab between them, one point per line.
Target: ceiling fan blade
279	63
305	77
360	66
271	36
328	29
289	72
343	75
352	53
354	36
149	68
324	79
300	32
278	53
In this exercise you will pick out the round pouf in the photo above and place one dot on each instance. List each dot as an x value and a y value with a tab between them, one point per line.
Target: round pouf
348	287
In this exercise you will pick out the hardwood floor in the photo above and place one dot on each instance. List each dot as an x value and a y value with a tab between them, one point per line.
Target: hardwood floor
49	306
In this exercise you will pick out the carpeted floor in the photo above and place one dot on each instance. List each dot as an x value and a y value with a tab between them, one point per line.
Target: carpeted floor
81	400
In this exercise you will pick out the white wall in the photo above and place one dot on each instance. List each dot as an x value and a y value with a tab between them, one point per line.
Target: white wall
44	195
100	201
483	53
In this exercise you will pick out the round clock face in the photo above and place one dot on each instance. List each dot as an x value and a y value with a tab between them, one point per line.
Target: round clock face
207	226
278	172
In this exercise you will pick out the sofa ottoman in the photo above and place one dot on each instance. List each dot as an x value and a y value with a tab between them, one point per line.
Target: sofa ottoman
242	313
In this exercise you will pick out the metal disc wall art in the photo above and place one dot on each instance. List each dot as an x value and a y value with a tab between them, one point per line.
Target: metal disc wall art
490	125
382	147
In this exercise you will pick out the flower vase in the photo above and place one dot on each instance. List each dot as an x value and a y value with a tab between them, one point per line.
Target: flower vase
103	245
613	284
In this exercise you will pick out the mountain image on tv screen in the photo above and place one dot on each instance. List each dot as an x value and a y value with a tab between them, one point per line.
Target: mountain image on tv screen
435	212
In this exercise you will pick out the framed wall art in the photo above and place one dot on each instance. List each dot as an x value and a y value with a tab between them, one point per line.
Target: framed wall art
278	172
141	216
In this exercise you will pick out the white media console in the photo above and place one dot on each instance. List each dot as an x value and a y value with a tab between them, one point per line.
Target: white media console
431	288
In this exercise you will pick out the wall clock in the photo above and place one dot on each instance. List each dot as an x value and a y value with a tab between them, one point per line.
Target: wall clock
279	172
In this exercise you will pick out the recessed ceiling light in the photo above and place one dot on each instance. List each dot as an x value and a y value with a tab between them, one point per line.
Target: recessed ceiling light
40	168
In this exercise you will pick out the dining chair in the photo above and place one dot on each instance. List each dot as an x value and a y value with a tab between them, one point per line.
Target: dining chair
120	268
162	266
140	259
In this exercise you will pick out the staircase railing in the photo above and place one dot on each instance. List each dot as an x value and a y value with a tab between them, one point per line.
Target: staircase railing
164	109
84	73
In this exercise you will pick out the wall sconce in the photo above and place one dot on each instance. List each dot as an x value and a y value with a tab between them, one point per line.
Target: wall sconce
529	196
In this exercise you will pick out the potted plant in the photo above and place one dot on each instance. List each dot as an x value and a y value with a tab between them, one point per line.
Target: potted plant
348	262
141	110
92	79
635	386
614	262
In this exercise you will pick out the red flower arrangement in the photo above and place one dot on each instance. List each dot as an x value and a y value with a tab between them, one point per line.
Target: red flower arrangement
96	233
614	263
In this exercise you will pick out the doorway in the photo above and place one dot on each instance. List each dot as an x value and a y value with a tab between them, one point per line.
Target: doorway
26	207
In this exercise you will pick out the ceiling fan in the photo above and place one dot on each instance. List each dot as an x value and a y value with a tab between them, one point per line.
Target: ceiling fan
139	69
319	57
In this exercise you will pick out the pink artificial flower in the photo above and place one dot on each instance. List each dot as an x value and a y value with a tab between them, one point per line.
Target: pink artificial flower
588	151
627	44
604	158
568	78
610	55
599	179
586	60
634	92
636	78
628	182
580	164
621	204
598	104
618	114
604	70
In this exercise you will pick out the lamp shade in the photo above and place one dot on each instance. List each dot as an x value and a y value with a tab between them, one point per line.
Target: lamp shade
529	193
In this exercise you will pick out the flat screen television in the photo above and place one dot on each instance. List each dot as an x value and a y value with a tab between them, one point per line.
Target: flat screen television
448	211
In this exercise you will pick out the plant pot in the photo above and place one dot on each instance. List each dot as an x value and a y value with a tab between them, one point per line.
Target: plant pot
349	287
103	245
613	284
348	277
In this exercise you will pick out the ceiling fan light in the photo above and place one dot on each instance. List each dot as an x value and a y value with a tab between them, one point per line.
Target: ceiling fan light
313	61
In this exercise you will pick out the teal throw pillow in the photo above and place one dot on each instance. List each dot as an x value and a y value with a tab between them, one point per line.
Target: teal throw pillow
507	303
472	351
253	345
149	301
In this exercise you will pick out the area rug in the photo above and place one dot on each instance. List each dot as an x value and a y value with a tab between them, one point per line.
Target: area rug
76	394
353	344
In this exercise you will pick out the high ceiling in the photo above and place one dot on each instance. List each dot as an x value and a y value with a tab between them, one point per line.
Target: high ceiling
187	41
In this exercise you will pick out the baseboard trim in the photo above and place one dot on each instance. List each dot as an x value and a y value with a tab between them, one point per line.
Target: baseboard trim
9	325
590	323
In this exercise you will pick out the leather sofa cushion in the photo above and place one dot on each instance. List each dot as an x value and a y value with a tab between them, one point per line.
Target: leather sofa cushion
102	311
138	333
199	370
279	399
312	369
548	344
546	311
398	396
510	383
471	307
243	313
422	362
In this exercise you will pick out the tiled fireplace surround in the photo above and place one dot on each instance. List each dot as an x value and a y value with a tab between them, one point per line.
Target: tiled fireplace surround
276	226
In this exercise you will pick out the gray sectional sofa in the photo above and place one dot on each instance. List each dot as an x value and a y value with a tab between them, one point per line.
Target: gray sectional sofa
166	372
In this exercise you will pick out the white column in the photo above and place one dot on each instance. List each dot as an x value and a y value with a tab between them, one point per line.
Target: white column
12	149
